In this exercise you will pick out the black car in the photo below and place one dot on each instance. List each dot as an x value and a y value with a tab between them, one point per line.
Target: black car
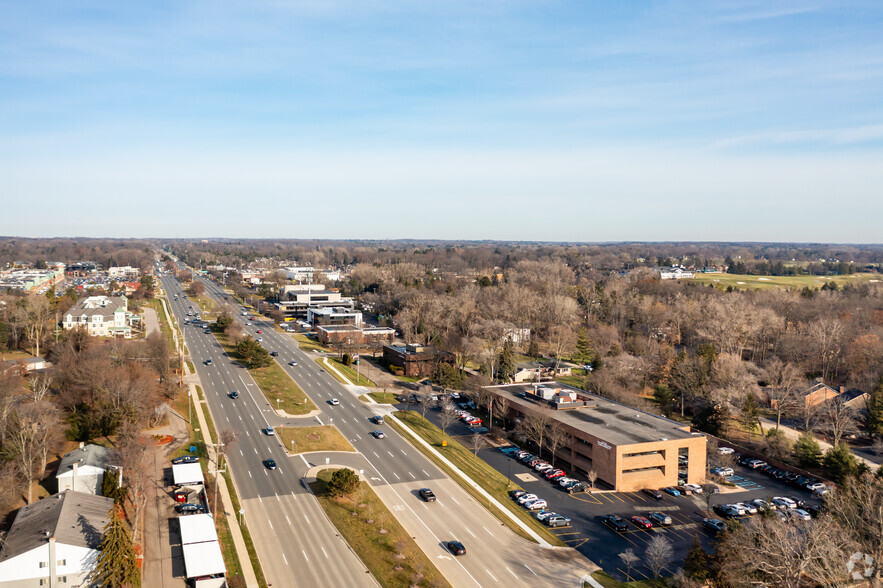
234	394
377	420
207	362
189	508
427	494
274	353
270	463
656	494
456	548
615	522
186	459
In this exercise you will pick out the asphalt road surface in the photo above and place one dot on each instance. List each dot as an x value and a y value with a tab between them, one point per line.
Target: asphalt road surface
296	544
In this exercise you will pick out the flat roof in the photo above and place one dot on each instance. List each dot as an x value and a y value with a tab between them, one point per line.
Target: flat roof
203	559
600	417
197	528
187	473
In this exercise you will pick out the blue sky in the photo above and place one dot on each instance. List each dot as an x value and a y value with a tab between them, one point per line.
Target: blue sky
540	120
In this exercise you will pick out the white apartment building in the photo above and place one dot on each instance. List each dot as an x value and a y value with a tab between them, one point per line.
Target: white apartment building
102	316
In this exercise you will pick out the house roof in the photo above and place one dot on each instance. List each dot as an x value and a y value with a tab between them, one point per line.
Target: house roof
73	518
90	455
104	306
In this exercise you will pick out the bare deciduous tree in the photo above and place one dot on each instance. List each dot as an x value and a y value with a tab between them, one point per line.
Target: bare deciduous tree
535	427
658	555
556	438
838	419
785	381
448	416
477	442
40	384
629	558
592	476
134	458
502	405
424	399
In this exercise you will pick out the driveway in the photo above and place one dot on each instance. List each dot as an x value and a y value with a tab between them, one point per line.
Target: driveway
151	323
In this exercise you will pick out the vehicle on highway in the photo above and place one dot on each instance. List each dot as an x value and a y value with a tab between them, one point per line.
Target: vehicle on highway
715	525
655	494
189	508
234	394
537	504
292	363
456	548
641	522
527	497
268	431
659	518
186	459
378	434
207	362
672	491
558	521
274	354
270	463
427	494
334	402
259	331
260	339
378	420
615	522
207	331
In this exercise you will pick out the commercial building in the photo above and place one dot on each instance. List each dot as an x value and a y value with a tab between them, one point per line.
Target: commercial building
352	335
102	316
629	449
298	300
30	279
123	272
415	360
334	315
54	541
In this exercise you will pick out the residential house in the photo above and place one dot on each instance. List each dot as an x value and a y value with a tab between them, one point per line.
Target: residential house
536	371
83	469
102	316
55	541
813	395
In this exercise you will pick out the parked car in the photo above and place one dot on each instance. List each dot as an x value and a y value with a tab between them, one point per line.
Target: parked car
542	467
564	481
655	494
821	491
553	474
722	471
189	508
694	488
755	463
726	450
558	521
642	522
800	514
726	510
747	507
456	548
761	505
659	518
378	434
715	525
672	490
784	503
427	495
615	522
510	450
513	494
544	514
578	487
186	459
535	504
526	498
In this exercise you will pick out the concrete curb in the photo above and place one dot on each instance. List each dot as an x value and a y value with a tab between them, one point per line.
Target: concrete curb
474	485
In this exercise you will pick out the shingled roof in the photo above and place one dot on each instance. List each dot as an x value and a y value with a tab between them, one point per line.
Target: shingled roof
73	518
90	455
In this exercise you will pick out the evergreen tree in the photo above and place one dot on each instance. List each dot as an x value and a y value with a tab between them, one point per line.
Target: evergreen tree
583	349
116	566
696	564
110	486
664	397
710	419
344	481
875	410
533	349
252	354
750	414
807	451
840	463
506	362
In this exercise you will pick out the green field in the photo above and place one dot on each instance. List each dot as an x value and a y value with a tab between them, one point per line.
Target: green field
766	282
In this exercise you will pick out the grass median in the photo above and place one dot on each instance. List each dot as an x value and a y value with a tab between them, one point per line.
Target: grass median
351	373
478	470
307	439
389	552
307	344
281	391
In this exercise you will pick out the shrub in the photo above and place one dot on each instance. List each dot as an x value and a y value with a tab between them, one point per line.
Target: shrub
344	481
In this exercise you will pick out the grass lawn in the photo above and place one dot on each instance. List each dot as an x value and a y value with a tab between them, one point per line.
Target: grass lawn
13	355
307	439
351	373
191	366
572	381
275	384
767	282
307	344
609	582
393	557
246	535
157	305
493	482
410	379
383	397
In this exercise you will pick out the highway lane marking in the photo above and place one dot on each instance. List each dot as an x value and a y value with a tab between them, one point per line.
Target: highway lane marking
403	452
288	519
391	455
424	473
247	434
285	559
255	450
249	474
490	574
396	475
412	475
470	532
488	531
270	523
511	572
358	436
325	552
308	520
375	454
306	463
240	453
305	555
531	571
455	500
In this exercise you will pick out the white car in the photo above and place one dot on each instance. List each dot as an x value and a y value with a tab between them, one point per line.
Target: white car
543	467
725	450
800	514
526	498
821	491
738	507
565	480
694	488
545	514
784	503
334	402
747	507
537	504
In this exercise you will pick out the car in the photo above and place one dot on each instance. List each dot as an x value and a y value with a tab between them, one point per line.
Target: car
672	491
535	504
526	497
270	463
268	431
510	451
259	331
233	394
544	514
694	488
558	521
207	362
716	525
251	318
726	450
543	467
784	503
513	494
334	402
615	522
740	510
761	505
186	459
260	339
821	491
642	522
747	507
526	457
813	510
292	363
660	518
535	461
378	420
456	548
207	331
755	463
480	430
798	502
189	507
554	474
655	494
565	481
727	511
813	484
578	487
274	354
722	471
800	514
426	494
378	434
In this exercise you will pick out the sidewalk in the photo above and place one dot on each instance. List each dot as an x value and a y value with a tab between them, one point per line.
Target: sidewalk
794	434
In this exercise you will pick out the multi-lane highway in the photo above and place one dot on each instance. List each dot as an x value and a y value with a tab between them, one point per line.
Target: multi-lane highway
302	550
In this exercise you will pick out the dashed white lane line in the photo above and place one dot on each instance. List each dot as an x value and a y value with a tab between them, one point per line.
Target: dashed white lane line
391	455
403	452
531	571
249	474
511	572
470	532
358	436
396	475
488	531
375	454
288	519
455	500
412	475
424	473
270	523
308	520
305	555
491	575
285	559
240	453
325	552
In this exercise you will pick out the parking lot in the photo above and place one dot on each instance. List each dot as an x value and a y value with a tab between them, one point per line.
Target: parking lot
590	536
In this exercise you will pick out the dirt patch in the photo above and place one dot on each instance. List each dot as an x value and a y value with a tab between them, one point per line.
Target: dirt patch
314	437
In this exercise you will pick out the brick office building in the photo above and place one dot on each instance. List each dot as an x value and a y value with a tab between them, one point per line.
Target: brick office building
352	335
629	449
415	360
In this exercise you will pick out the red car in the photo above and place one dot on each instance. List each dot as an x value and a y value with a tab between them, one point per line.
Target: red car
642	522
260	331
551	475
